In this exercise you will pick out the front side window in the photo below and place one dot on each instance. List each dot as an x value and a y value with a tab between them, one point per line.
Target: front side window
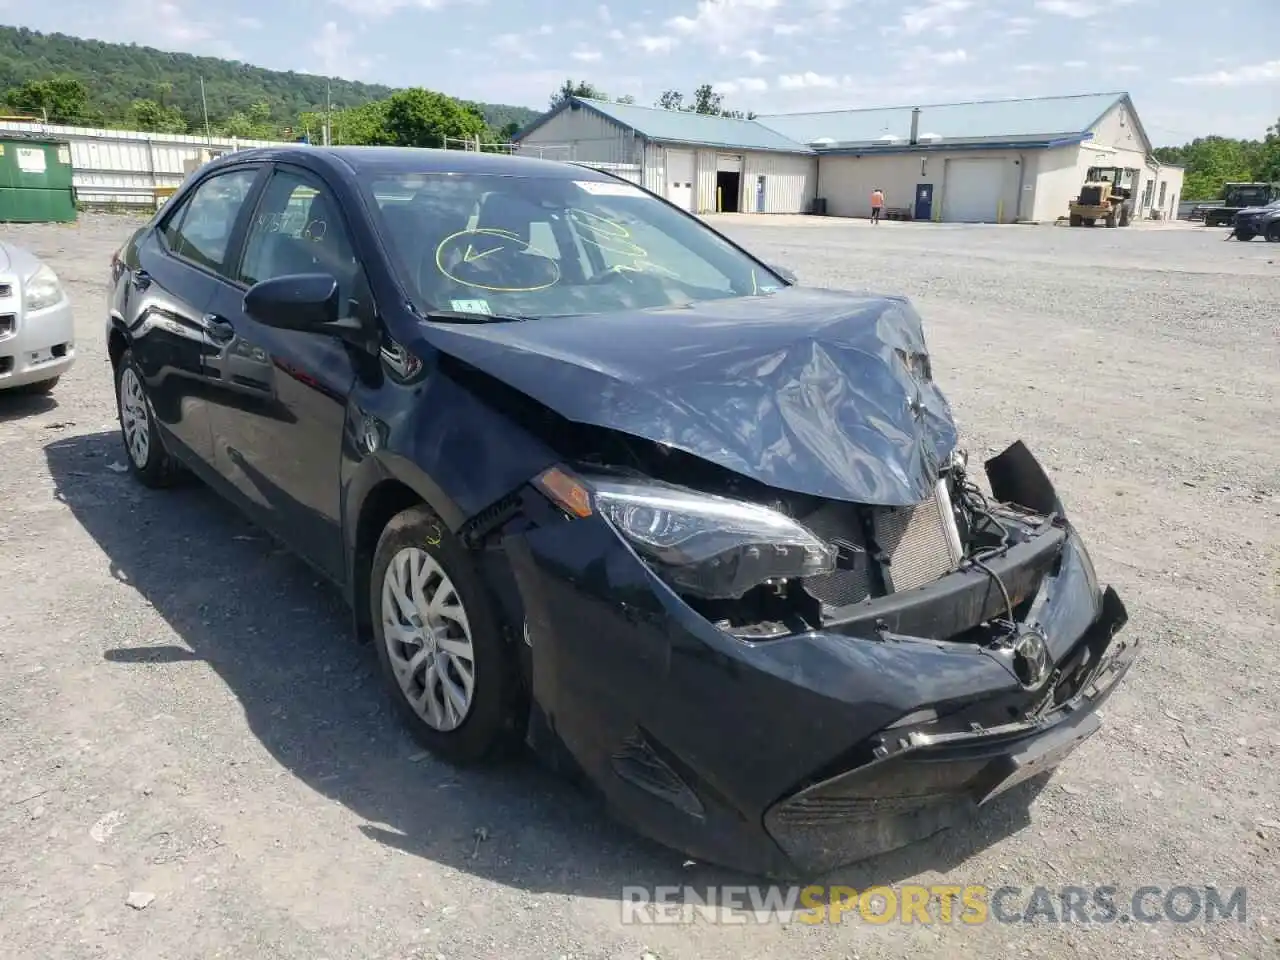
552	246
200	230
296	229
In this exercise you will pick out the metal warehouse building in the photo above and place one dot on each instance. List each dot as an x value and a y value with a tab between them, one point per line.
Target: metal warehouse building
996	161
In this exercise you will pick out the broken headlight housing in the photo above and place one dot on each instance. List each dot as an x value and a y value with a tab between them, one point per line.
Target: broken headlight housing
708	546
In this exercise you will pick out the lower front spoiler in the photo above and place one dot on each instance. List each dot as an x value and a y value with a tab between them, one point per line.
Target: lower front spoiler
929	782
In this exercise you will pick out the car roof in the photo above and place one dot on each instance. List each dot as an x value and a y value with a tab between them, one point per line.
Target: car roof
397	160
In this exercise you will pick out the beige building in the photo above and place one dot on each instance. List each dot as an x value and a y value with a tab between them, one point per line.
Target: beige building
997	161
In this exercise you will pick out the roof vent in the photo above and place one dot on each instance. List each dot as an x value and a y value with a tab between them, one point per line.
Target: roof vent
888	138
930	137
821	142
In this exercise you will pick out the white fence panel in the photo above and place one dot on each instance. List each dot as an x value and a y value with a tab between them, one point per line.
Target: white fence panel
126	167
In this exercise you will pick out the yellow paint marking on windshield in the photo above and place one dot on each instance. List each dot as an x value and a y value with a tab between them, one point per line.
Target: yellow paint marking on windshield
596	230
472	254
509	243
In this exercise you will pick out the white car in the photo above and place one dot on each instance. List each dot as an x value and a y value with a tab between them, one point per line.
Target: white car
37	333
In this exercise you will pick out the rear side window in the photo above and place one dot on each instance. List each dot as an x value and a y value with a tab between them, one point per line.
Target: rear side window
201	230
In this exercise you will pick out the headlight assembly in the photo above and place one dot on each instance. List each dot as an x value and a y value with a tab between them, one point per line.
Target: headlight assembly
707	546
41	290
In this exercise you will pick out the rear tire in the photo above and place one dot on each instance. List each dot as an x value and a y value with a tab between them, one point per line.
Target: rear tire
451	673
1076	220
1245	235
148	460
1273	232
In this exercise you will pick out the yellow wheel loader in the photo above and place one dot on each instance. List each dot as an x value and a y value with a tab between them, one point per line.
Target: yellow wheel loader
1106	196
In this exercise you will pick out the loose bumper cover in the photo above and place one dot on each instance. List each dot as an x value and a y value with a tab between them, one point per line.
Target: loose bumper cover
791	756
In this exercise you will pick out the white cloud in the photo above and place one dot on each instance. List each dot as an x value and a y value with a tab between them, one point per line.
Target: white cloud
741	85
1268	72
586	56
248	23
947	58
919	56
333	48
1126	68
1076	9
545	30
1031	68
807	81
377	9
937	16
1018	26
722	15
616	34
656	44
603	13
786	29
1075	64
727	24
756	57
513	45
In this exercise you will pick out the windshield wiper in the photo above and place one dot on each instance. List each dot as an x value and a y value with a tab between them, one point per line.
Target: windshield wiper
467	316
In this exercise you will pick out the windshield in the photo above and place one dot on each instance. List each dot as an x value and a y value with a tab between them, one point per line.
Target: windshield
1247	196
545	246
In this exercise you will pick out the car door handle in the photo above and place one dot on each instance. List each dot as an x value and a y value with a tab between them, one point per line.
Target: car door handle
141	280
219	328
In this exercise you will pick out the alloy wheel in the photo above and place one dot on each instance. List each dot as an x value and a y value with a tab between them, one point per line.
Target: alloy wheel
428	639
135	420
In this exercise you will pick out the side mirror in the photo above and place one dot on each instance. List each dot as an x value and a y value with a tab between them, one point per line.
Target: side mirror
304	301
784	273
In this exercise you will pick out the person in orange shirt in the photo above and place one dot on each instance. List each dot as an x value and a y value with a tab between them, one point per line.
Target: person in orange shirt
877	204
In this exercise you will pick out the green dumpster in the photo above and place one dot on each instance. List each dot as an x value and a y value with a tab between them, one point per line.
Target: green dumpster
35	181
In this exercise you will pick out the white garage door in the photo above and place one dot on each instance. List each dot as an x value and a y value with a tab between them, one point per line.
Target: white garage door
972	191
680	178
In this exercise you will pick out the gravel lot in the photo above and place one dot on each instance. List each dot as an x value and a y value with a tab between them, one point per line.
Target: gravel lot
182	715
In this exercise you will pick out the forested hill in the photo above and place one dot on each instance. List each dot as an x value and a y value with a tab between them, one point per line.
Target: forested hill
117	75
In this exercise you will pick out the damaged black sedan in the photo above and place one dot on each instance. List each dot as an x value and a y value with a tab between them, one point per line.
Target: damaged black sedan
595	479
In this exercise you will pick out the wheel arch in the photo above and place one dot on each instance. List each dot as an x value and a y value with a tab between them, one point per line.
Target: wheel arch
118	341
383	487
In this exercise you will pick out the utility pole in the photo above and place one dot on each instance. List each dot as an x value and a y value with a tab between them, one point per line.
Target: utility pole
204	104
328	106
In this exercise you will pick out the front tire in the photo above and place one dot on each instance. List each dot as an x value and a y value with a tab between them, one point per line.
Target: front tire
148	459
453	677
1273	232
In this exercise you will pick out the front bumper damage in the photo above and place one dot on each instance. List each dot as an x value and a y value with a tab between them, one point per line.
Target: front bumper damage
795	755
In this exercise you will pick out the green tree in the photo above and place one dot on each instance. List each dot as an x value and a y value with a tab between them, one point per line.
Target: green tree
425	118
117	74
1213	161
671	100
62	99
155	117
576	88
706	100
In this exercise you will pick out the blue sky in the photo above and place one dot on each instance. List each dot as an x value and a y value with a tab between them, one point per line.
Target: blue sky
1192	69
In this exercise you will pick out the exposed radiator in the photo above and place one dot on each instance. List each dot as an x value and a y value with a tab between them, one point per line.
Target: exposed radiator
920	541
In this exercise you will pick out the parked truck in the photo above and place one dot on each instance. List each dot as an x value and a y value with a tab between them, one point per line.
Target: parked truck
1237	196
1107	195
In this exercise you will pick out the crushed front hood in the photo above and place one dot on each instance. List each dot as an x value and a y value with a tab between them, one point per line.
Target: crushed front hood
805	390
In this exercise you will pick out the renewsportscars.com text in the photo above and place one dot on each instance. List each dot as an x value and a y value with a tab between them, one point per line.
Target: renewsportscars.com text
933	904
